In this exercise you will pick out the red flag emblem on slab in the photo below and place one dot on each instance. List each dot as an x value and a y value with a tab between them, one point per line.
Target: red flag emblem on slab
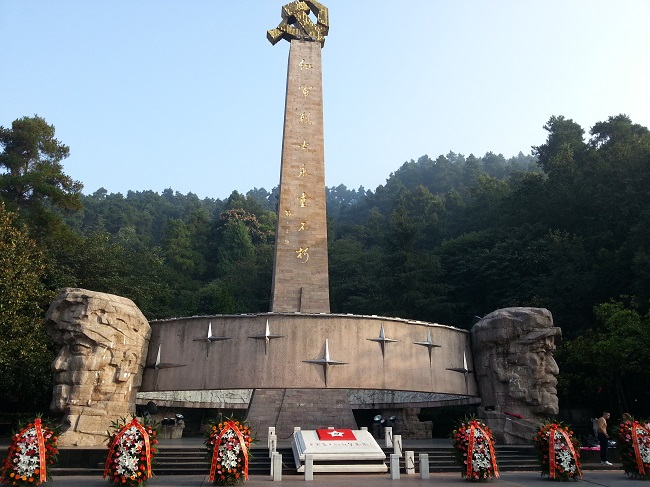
336	434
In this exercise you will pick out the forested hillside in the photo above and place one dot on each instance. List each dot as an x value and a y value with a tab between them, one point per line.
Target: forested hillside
444	240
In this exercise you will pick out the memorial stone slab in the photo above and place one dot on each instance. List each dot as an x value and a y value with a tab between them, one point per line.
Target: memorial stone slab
338	450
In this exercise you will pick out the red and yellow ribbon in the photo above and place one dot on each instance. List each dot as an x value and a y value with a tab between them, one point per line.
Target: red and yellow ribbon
42	462
473	426
118	437
636	427
551	450
230	425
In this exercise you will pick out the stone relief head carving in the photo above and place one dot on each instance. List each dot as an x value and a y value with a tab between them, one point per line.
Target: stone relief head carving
513	354
103	342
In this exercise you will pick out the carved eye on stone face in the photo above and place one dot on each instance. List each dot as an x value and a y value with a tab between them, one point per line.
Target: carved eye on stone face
79	349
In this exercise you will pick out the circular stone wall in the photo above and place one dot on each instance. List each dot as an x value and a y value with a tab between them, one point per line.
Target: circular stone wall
311	351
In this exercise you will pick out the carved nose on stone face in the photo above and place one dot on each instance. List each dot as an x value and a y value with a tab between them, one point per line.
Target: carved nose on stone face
60	362
551	366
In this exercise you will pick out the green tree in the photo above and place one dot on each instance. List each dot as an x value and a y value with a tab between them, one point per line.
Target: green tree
608	365
32	175
24	354
354	287
180	250
121	265
484	207
563	135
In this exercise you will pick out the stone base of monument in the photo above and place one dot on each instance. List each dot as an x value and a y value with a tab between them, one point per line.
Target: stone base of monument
509	430
337	450
171	432
311	408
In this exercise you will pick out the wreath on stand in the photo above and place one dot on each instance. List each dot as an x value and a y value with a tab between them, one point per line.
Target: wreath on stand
558	452
473	449
131	448
228	443
634	446
32	450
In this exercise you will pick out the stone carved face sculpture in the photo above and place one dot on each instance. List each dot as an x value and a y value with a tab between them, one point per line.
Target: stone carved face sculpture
103	341
515	369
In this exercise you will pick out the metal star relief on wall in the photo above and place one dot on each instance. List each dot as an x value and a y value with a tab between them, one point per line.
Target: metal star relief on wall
463	370
210	337
382	340
163	365
267	337
325	361
429	344
296	23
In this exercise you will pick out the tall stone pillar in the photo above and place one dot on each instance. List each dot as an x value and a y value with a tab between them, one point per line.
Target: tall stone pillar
300	274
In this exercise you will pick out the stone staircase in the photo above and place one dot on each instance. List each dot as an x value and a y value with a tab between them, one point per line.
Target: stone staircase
510	458
191	460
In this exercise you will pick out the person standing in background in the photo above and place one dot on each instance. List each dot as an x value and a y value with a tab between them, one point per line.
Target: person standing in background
603	438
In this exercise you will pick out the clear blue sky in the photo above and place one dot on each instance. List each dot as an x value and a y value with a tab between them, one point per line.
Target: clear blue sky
189	95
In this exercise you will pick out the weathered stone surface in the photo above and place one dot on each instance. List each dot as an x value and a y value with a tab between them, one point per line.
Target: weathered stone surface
300	269
288	362
515	370
307	408
103	340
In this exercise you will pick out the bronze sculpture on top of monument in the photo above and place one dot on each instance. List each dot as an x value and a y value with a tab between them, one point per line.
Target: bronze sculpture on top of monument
303	363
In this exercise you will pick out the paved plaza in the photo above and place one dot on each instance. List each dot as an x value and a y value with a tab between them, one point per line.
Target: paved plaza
605	478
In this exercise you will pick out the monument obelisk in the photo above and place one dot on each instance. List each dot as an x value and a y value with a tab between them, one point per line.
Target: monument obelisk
300	272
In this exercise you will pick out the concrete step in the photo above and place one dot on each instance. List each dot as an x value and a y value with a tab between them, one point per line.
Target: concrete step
192	460
509	458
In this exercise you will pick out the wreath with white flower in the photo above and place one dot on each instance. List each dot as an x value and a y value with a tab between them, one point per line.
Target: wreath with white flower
228	444
32	450
130	453
634	446
473	449
558	451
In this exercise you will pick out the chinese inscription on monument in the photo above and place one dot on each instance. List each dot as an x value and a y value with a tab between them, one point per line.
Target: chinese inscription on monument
300	274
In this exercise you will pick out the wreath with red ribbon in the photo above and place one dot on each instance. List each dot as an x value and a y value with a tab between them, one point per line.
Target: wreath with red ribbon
634	446
473	448
32	450
228	444
558	451
130	453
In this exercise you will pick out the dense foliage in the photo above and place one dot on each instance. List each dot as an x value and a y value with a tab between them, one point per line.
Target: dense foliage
444	240
24	354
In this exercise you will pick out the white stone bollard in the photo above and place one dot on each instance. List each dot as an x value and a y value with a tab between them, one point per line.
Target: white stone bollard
273	445
394	466
276	467
268	438
424	466
272	462
309	467
409	459
388	436
397	444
